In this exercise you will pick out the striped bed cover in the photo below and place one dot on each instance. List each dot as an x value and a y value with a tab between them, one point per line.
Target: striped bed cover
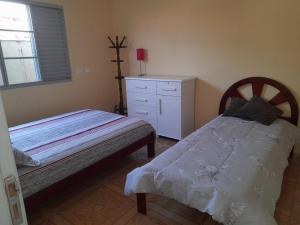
68	143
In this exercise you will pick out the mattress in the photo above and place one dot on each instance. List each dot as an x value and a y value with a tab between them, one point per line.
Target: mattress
231	169
68	143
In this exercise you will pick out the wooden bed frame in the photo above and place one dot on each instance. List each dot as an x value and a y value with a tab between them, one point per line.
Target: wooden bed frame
257	83
40	197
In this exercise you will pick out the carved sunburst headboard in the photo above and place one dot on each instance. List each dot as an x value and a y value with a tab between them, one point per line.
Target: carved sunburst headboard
258	83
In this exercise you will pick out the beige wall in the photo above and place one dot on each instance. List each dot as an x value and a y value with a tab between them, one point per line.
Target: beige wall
87	28
217	41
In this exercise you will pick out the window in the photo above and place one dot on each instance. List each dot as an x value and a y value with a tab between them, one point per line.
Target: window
19	58
33	45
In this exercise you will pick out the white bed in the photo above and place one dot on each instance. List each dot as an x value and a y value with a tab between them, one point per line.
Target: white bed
230	168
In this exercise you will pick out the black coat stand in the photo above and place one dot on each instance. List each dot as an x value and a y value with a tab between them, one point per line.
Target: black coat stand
118	45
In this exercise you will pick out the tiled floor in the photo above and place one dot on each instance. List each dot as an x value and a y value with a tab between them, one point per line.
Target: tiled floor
100	200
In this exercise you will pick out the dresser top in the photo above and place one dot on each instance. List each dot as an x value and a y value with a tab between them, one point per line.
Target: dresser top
161	77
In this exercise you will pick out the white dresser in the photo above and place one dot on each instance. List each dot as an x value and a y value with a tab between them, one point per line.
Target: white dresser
167	102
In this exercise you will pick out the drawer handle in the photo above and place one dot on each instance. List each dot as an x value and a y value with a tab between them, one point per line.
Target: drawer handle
141	99
142	112
160	107
141	87
169	89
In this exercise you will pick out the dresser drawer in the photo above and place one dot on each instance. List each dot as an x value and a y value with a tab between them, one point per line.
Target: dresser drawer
169	88
141	99
142	112
141	86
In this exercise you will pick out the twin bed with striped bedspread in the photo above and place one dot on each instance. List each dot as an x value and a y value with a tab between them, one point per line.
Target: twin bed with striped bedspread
68	143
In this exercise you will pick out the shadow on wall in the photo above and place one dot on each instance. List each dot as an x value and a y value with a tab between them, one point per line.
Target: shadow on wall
208	97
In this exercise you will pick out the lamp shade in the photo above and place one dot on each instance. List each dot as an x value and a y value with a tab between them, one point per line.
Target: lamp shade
140	54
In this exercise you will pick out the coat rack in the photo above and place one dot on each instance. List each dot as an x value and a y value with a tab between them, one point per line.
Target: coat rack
118	45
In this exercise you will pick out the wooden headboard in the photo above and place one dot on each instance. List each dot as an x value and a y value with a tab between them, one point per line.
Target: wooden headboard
284	95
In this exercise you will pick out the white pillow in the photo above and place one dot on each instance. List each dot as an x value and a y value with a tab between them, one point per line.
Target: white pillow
22	159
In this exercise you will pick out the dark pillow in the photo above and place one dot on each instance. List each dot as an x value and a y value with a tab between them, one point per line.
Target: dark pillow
261	111
234	108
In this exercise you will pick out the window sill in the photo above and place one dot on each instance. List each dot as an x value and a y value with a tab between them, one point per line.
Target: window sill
31	84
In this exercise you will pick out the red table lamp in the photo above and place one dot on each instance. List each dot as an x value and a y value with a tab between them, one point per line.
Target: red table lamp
140	56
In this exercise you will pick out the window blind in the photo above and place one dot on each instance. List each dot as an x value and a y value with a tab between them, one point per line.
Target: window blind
51	41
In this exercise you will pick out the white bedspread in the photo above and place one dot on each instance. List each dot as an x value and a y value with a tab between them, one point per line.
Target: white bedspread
230	168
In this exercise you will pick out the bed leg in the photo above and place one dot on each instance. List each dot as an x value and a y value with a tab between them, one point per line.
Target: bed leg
151	146
141	203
